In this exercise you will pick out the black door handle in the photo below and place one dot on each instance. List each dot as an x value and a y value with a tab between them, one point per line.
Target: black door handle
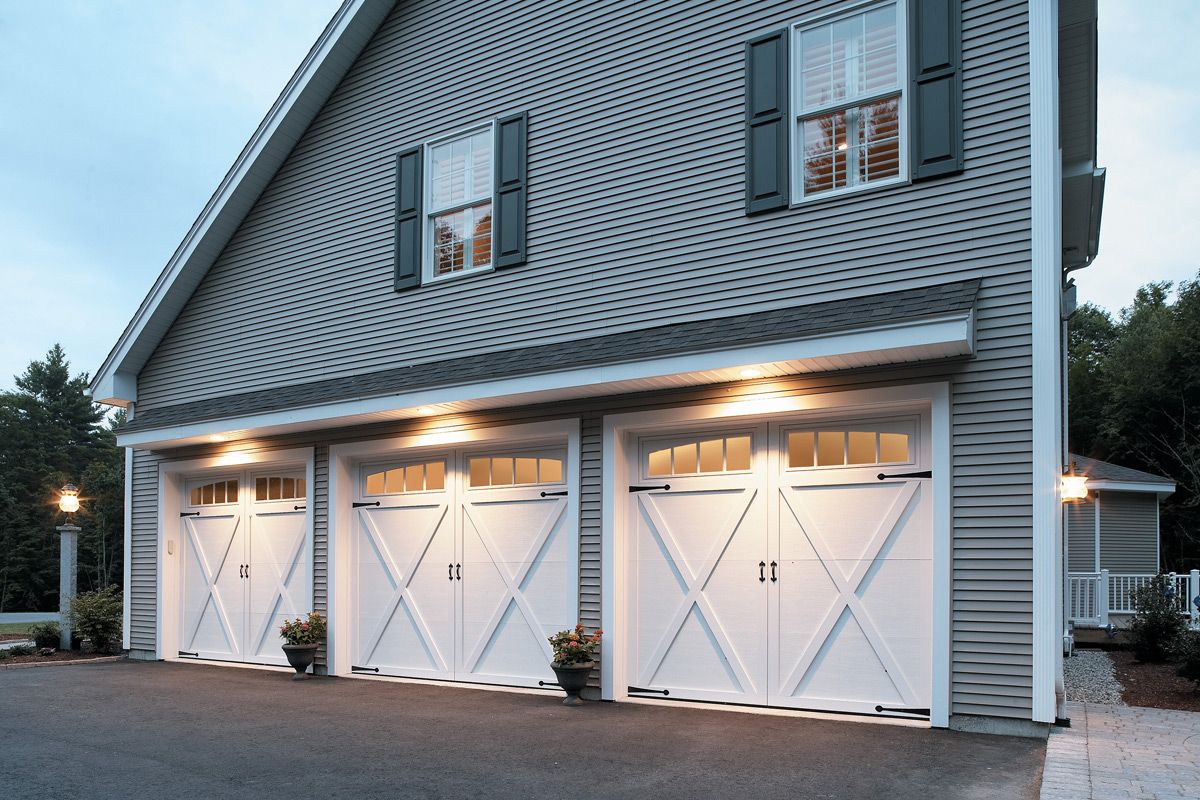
241	570
458	570
247	570
449	572
762	577
773	566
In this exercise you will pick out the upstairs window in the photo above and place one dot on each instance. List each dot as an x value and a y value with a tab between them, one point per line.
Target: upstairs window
848	74
459	191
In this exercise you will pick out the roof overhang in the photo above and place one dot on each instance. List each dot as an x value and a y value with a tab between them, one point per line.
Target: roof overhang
343	39
1082	179
919	340
1161	489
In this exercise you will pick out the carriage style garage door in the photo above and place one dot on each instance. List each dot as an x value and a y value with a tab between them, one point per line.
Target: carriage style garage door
771	565
464	562
246	564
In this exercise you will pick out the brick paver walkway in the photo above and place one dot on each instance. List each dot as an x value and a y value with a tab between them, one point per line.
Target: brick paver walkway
1123	753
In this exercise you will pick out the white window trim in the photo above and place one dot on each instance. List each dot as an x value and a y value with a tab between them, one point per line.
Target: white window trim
427	212
795	151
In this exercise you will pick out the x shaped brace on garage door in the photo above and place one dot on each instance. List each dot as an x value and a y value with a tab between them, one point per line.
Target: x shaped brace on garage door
210	580
694	594
515	585
281	580
400	582
847	589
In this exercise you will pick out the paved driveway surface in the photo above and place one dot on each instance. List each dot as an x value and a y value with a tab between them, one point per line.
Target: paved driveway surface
130	729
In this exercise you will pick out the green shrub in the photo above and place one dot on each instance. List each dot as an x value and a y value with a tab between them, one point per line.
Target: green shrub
45	634
98	616
22	650
1187	654
1157	624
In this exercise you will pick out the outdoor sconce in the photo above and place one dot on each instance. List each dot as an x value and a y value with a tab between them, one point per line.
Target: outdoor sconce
68	499
1074	487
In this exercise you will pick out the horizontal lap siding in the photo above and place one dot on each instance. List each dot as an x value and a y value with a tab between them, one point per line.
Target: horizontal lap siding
1081	537
1129	532
143	555
636	218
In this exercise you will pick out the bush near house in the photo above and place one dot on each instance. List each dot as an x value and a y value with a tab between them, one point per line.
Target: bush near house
1187	656
1157	625
97	616
45	634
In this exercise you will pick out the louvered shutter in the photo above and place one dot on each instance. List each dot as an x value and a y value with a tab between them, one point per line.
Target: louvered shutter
767	172
409	224
935	88
508	216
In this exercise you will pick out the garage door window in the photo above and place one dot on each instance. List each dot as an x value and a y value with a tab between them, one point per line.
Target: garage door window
514	471
846	448
278	488
427	476
216	493
698	456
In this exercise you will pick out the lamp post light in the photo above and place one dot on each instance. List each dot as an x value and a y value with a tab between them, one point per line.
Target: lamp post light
68	503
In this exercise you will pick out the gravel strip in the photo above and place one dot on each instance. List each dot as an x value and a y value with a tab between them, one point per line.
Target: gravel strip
1089	678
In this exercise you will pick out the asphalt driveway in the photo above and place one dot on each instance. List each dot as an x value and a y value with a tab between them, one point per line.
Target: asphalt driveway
129	729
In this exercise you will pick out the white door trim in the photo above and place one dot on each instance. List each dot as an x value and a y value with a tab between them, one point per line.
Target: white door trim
620	441
343	461
172	475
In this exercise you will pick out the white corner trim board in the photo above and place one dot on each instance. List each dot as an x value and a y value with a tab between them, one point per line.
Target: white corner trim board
1164	488
939	337
1048	454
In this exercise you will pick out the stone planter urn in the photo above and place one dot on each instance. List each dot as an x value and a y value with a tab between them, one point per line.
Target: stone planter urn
300	656
572	678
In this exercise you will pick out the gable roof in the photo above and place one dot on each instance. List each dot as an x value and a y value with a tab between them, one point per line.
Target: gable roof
335	51
1100	473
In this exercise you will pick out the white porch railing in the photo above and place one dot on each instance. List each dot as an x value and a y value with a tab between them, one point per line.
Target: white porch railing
1093	596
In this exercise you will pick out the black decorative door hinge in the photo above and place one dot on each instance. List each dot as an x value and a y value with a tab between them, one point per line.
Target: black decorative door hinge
666	487
364	505
189	513
640	690
363	669
917	712
924	474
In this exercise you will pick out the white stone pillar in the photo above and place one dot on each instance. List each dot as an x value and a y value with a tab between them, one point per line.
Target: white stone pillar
68	553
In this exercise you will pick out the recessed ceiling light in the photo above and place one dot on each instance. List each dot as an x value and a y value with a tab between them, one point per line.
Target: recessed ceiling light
750	373
425	410
218	437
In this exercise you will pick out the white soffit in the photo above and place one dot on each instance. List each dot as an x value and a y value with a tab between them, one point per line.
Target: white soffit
925	340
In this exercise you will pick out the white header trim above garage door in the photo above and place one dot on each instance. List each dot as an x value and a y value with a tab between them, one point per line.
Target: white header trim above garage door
172	476
920	340
616	458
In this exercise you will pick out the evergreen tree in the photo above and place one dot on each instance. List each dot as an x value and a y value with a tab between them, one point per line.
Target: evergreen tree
51	433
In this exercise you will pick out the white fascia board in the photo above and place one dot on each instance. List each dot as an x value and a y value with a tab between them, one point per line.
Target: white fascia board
301	100
1164	488
950	334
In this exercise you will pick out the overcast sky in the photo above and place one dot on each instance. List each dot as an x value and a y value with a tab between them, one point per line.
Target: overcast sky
119	117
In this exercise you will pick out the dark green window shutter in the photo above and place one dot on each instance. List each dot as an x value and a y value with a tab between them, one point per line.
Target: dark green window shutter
409	223
767	173
508	215
935	88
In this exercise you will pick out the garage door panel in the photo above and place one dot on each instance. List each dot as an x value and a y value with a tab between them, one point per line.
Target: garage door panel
280	576
700	606
213	589
845	669
403	595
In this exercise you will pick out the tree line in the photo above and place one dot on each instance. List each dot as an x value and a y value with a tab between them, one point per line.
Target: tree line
51	433
1134	399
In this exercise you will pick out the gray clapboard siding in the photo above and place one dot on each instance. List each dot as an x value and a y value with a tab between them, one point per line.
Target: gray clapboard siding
1081	536
143	554
1129	531
635	219
671	205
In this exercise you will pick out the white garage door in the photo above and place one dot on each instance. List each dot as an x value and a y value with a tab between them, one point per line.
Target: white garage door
772	566
465	562
246	564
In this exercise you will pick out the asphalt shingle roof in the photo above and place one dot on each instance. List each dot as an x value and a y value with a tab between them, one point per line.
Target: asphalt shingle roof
1097	470
784	324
